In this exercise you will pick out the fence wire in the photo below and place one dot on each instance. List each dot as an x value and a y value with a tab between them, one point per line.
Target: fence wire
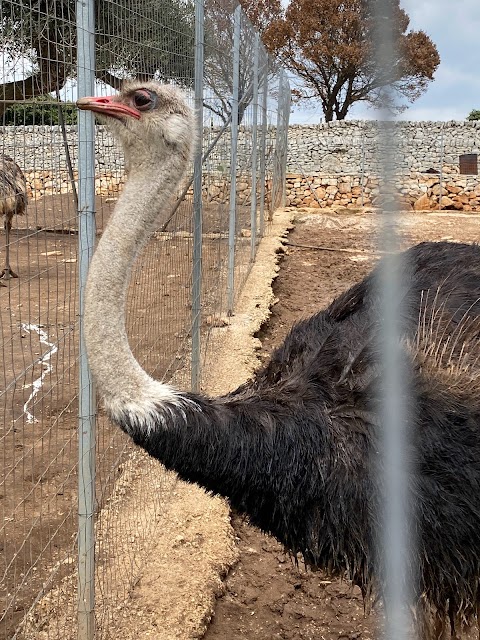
39	316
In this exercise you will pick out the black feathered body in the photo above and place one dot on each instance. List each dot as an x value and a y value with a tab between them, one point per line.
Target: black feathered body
296	448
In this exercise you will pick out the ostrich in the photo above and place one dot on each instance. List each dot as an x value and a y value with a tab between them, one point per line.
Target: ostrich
13	200
295	447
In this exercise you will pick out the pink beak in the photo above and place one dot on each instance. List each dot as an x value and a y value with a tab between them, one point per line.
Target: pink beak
109	106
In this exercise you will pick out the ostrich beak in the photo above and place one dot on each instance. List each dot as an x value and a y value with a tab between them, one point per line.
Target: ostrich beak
109	106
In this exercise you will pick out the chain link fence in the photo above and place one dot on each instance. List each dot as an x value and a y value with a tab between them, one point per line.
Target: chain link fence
59	468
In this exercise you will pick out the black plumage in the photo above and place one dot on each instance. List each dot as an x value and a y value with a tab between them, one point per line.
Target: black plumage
296	447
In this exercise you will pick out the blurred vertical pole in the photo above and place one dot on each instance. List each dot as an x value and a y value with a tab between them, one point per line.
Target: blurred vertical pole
394	537
197	196
86	241
287	104
233	163
263	143
253	207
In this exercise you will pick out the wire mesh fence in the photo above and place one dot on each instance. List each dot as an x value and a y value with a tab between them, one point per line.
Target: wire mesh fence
72	172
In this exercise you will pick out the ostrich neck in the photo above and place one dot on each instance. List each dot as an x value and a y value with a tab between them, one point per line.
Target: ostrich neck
236	445
119	377
205	440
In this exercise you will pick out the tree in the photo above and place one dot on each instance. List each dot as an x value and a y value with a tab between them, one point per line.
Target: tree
219	35
41	111
330	45
262	13
142	38
474	115
257	16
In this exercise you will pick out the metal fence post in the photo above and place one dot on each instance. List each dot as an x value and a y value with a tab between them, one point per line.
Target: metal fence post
233	163
197	196
86	241
362	170
441	169
287	103
263	145
253	208
281	141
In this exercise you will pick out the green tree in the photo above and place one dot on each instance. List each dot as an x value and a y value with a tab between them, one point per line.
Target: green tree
330	46
474	115
40	110
142	38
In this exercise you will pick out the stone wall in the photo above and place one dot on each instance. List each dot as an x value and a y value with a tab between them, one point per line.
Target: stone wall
41	148
338	161
345	147
415	191
332	148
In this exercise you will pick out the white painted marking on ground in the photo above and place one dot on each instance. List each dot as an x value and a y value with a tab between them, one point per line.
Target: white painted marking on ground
47	367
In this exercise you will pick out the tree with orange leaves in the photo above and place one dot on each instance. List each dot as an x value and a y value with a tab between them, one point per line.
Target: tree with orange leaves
330	46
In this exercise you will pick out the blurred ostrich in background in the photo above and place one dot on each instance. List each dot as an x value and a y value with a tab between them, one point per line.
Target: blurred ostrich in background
13	200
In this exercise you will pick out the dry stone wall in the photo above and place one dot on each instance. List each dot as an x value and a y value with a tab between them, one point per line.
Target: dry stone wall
329	163
421	192
338	163
344	147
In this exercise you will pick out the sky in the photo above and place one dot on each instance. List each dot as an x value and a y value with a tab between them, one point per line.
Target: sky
455	29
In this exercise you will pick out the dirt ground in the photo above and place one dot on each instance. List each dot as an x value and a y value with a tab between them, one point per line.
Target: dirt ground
267	596
39	376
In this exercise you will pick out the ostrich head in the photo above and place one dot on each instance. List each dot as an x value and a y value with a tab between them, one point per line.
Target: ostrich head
149	119
155	127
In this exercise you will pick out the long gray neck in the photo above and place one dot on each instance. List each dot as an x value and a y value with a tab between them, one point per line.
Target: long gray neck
120	379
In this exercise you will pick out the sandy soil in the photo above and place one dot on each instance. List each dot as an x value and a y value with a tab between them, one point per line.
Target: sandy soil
267	596
39	337
264	596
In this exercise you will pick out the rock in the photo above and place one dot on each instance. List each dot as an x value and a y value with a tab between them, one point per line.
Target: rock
436	190
344	187
452	188
424	203
446	202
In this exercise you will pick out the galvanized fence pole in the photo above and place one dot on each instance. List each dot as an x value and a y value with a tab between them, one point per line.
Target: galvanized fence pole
441	169
253	208
287	105
233	163
197	196
86	241
362	171
281	138
263	145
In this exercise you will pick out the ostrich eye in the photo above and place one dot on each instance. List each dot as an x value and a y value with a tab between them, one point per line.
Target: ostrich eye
144	100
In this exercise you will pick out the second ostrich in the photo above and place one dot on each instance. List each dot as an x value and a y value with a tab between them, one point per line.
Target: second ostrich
13	201
295	448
